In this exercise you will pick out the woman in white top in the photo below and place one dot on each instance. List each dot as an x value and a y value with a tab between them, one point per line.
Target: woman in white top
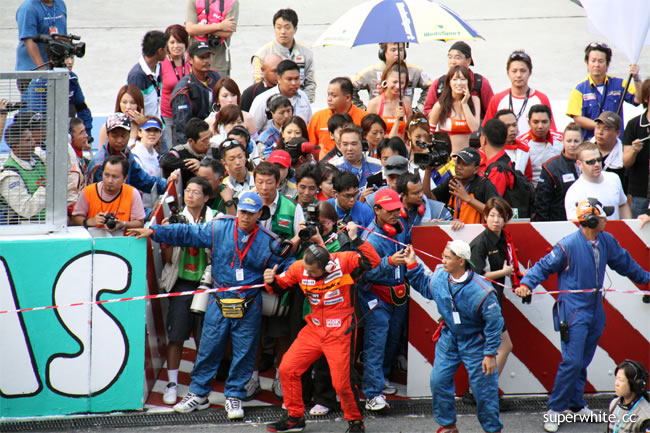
146	153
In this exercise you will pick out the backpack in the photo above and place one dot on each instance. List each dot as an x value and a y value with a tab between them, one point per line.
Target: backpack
478	84
521	195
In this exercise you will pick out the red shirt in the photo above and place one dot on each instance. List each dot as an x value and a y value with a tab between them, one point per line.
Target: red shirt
500	179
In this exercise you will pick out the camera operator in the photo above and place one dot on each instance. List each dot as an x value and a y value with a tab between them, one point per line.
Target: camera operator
37	18
110	204
214	27
189	264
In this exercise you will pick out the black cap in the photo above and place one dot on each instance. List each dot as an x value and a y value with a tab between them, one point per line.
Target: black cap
469	155
199	48
464	48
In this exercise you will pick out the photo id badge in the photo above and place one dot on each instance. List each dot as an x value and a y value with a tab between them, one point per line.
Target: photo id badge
239	274
456	317
53	30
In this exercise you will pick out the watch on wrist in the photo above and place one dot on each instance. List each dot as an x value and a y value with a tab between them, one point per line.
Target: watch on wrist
85	223
229	203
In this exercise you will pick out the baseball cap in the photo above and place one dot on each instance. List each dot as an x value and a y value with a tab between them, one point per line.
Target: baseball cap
592	205
609	119
281	157
469	155
250	202
151	123
301	145
118	120
388	199
199	48
396	164
464	48
460	248
29	119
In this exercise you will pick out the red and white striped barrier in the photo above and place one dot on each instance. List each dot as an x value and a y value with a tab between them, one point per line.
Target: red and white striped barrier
536	354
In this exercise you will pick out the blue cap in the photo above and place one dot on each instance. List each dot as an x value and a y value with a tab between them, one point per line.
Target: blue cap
151	123
250	202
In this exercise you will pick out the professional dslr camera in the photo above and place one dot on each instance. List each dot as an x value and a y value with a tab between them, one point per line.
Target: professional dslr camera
176	217
110	221
311	223
60	47
213	41
438	154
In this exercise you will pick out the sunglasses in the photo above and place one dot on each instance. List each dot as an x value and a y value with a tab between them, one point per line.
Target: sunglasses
598	160
418	121
519	56
599	45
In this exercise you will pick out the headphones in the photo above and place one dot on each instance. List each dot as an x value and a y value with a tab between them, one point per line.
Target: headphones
393	230
323	257
382	52
590	220
639	383
403	214
269	102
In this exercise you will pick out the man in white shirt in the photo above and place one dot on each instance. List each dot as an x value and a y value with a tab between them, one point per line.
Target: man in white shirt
289	86
543	141
607	138
594	182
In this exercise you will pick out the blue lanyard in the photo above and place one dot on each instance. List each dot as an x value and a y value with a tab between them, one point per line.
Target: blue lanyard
617	425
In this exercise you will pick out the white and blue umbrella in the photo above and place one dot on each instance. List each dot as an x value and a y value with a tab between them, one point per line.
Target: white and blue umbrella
412	21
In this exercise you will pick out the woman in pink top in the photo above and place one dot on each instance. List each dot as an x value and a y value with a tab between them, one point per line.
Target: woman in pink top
172	69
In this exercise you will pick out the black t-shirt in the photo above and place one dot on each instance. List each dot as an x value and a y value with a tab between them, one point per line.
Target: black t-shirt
637	184
489	254
250	93
480	188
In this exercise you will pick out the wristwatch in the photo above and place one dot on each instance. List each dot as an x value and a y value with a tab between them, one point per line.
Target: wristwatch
85	223
229	203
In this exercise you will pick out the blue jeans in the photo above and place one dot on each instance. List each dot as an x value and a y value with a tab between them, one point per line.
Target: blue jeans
216	332
639	206
381	339
450	352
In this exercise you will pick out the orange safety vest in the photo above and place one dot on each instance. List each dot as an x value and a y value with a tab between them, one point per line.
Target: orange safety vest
120	206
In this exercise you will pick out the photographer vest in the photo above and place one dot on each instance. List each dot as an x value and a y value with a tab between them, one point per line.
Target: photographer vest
282	220
218	9
32	179
120	206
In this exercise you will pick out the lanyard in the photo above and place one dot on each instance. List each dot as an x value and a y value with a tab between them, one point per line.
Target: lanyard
453	294
603	96
175	68
239	253
523	106
617	425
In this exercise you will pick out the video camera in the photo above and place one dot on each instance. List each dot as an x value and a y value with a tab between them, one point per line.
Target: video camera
438	154
60	47
311	223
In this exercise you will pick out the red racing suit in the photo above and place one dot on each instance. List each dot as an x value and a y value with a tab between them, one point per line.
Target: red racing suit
332	312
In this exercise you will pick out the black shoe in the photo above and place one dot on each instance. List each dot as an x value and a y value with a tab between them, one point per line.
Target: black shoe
468	397
288	424
355	427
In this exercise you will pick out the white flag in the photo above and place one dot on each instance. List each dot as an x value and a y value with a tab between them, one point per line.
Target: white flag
625	23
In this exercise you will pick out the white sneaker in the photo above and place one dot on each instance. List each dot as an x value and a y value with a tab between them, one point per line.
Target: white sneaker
584	415
192	402
551	421
234	408
388	388
253	388
377	403
319	410
277	388
171	395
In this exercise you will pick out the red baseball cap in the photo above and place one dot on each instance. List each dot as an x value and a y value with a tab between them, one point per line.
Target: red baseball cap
281	157
388	199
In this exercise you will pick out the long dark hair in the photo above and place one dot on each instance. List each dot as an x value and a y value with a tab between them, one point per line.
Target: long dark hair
446	99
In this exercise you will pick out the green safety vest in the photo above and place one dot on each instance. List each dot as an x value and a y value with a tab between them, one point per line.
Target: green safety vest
193	261
32	178
282	222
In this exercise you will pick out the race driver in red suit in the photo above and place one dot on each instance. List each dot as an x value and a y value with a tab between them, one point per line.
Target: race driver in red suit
328	283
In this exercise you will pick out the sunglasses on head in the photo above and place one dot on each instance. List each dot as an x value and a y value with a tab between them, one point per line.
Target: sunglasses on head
593	161
599	45
518	55
418	121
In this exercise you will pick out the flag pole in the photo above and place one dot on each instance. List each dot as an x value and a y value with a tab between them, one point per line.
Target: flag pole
620	103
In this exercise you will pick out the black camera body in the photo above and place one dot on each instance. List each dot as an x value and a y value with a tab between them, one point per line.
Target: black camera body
213	41
13	106
312	223
438	154
178	219
60	47
110	221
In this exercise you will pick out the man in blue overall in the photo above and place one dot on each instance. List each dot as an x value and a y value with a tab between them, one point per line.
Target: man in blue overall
384	290
241	250
469	333
580	259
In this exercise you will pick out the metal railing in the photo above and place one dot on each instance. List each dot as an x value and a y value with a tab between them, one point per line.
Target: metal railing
35	139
